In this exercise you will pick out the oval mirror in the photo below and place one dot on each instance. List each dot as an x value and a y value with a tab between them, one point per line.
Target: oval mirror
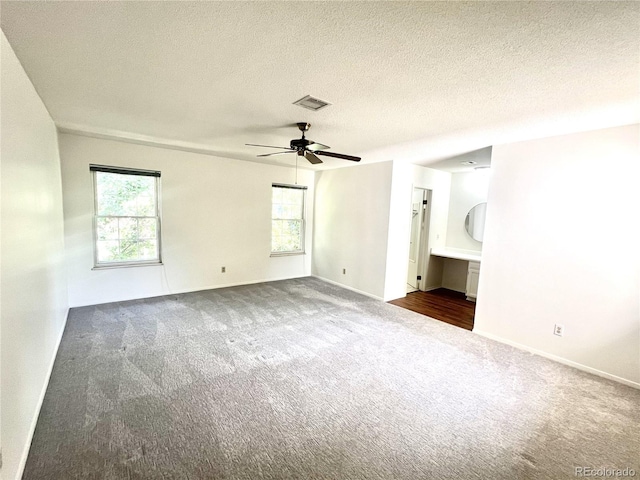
474	223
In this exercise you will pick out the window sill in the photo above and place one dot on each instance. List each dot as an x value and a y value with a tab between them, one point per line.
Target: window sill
286	254
127	265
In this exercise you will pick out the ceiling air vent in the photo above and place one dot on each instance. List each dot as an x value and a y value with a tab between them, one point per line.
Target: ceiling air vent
311	103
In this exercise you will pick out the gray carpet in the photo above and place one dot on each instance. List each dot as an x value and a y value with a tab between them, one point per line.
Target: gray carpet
300	379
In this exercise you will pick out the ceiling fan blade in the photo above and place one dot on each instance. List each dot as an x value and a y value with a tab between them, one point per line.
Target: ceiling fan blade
275	153
315	146
312	158
339	155
269	146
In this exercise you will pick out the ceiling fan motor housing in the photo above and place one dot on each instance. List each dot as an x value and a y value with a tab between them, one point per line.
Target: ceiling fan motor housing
300	143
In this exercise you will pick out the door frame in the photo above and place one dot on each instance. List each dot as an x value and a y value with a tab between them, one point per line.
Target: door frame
423	237
424	252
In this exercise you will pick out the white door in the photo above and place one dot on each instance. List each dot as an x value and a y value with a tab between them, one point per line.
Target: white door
417	217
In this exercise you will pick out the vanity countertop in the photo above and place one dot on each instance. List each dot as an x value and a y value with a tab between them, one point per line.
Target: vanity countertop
468	255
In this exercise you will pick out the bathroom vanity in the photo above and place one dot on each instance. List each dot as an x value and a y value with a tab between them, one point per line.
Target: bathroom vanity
458	262
472	260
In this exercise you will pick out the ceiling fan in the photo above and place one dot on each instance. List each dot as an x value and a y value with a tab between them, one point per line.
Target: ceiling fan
306	148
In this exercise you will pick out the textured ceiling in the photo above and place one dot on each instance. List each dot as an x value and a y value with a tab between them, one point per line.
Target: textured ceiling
460	163
419	81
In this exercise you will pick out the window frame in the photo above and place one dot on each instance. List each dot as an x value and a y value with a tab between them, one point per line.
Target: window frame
303	220
94	170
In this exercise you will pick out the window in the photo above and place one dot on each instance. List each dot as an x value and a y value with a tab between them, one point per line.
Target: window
127	216
287	219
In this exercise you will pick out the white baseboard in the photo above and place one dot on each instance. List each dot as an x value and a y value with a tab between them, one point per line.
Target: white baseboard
227	285
428	289
34	421
194	289
558	359
337	284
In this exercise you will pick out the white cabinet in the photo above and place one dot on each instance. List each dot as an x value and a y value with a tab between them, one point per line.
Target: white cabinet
473	274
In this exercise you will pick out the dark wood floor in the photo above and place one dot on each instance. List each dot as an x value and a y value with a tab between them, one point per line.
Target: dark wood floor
441	304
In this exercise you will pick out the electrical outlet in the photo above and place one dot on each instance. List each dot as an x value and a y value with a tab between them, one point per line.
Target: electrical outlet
558	330
344	271
223	269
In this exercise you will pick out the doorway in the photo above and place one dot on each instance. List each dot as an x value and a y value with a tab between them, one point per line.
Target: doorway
418	241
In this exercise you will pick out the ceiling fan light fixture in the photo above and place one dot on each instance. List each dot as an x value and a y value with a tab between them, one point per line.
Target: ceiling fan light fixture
311	103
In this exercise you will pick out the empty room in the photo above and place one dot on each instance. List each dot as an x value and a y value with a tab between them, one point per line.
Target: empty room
319	240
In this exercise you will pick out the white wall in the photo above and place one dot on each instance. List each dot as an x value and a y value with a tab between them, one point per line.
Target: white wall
363	224
561	246
454	274
351	226
399	232
34	294
468	189
215	212
405	178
